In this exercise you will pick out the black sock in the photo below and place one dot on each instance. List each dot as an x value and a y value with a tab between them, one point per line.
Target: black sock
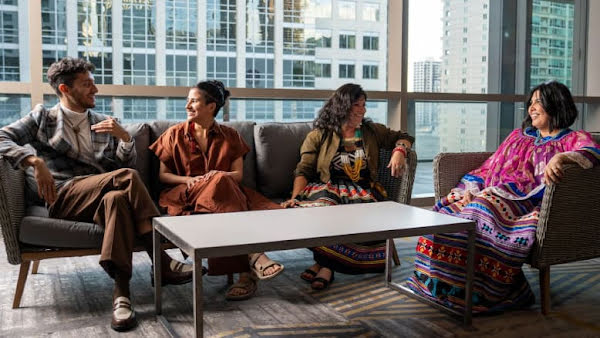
165	259
121	286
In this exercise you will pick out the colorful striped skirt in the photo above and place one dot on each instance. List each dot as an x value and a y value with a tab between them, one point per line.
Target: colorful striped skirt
349	258
505	233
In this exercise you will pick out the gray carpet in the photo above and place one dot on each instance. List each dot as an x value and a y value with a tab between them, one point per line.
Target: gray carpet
71	298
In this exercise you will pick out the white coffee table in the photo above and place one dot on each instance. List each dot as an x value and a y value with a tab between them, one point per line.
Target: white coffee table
228	234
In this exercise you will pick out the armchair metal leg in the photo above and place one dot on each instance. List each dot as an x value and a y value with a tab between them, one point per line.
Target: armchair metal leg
34	268
545	289
23	271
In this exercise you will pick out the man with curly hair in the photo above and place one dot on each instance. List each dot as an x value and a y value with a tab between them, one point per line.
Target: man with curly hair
78	163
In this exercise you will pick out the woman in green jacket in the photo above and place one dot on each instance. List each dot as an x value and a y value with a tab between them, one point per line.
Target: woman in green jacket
338	165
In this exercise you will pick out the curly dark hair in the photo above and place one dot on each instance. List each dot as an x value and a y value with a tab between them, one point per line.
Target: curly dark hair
338	106
214	91
557	102
64	71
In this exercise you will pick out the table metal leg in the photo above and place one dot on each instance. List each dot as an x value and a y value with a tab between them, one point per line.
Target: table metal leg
470	275
388	261
156	236
198	297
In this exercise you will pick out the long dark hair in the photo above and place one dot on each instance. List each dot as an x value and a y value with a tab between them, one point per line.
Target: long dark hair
214	91
338	106
557	102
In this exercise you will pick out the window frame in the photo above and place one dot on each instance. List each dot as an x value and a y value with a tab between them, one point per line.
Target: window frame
32	79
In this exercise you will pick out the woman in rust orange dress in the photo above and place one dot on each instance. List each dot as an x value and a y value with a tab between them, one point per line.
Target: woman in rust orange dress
202	165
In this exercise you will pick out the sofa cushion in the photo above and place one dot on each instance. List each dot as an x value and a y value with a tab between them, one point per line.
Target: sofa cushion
277	153
38	229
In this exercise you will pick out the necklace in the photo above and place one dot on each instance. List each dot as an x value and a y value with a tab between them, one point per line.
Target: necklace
353	172
75	129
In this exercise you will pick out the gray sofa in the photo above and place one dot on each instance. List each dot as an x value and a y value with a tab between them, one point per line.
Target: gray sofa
30	235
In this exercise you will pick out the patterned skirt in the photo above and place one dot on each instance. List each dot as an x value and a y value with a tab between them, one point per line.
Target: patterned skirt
349	258
505	232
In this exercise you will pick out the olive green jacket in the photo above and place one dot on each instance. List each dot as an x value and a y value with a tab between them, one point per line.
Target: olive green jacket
320	146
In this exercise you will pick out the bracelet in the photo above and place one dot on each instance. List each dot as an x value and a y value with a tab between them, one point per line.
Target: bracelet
400	149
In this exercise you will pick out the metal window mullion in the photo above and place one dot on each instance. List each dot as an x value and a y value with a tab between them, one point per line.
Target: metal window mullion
160	43
72	29
24	31
201	28
240	41
35	52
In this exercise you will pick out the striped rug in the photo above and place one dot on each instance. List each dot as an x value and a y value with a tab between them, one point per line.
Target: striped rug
71	298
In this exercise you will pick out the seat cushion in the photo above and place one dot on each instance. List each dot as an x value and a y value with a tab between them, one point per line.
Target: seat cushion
38	229
277	154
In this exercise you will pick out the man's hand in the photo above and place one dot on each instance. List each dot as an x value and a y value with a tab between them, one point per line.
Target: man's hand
397	164
112	127
554	169
43	178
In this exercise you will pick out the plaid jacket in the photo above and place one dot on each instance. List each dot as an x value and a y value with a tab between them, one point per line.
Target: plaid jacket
40	133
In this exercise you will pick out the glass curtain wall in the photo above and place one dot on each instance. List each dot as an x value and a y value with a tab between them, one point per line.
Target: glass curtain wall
460	69
450	50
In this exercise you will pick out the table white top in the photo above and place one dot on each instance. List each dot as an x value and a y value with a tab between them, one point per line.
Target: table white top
236	233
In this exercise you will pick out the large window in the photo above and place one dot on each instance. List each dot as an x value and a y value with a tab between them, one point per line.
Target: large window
371	41
370	11
323	68
259	73
552	41
9	43
346	9
370	71
347	40
222	69
468	60
298	73
346	70
220	25
260	26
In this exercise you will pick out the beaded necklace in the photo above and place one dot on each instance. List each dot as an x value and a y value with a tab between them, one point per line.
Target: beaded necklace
353	172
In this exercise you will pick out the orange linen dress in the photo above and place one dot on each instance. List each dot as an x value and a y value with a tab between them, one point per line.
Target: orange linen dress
178	150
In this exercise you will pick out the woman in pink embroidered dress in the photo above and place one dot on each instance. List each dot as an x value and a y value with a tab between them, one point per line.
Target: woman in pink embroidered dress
503	196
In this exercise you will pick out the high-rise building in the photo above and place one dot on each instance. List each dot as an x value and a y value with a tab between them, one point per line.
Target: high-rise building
426	78
551	42
464	69
318	44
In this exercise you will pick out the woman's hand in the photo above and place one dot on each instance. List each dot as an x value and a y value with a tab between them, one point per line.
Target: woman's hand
554	169
292	202
467	198
193	180
397	164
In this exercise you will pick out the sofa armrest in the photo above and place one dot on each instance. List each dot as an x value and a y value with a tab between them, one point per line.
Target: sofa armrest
12	208
398	189
449	168
569	224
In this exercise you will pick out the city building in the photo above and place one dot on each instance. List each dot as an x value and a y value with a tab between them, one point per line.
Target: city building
316	44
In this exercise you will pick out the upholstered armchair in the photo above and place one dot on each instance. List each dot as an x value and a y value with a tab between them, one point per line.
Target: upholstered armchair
569	224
